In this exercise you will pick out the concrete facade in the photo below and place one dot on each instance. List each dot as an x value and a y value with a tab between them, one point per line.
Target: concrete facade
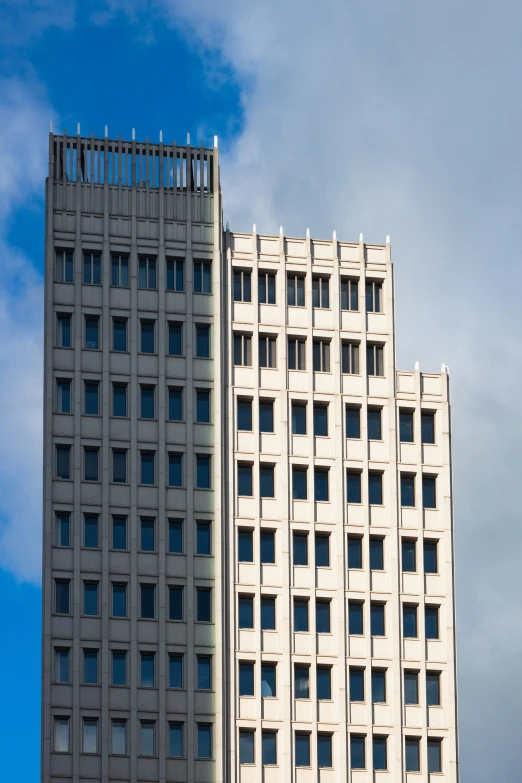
327	515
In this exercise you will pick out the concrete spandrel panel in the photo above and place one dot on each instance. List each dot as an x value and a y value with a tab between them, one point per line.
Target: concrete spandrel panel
244	377
148	301
176	633
148	632
271	444
148	431
303	710
91	361
435	649
271	709
62	559
63	426
243	313
270	379
356	514
326	643
147	365
297	316
204	500
303	644
120	630
176	700
90	697
323	447
271	575
353	385
324	511
408	453
270	315
434	518
359	713
270	641
412	583
434	583
323	319
92	296
379	581
91	561
431	385
357	646
411	518
297	381
147	769
61	766
406	382
247	640
413	716
248	708
326	578
61	696
247	573
203	304
300	445
119	768
176	370
413	650
119	495
147	497
381	647
432	454
90	628
175	303
302	576
119	364
436	718
302	510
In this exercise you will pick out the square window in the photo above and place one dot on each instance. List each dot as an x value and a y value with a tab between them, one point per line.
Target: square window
92	269
301	623
202	341
64	266
355	552
244	479
266	415
409	621
349	294
302	749
268	613
266	481
320	292
429	499
119	334
298	418
175	274
176	603
355	618
147	336
63	389
411	687
300	549
202	471
175	470
375	489
242	285
356	684
204	741
374	424
176	536
267	546
321	420
148	602
90	531
269	748
428	427
244	415
204	669
324	751
119	668
147	670
175	339
357	752
246	611
176	404
119	600
407	491
63	462
406	426
63	323
119	399
63	529
353	486
119	737
266	287
322	550
268	680
92	332
176	740
203	605
349	358
246	678
147	459
377	619
203	538
409	555
412	755
175	670
302	681
147	273
119	532
90	667
245	545
120	271
202	277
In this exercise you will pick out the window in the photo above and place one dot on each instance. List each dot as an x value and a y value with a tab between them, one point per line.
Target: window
298	418
119	668
63	529
120	271
266	285
431	618
356	684
90	735
245	545
266	415
321	490
119	334
246	611
301	624
90	531
324	751
63	389
353	422
428	427
204	741
374	424
90	667
119	737
321	350
176	536
357	752
324	683
148	407
321	420
434	755
246	678
374	359
92	332
147	273
202	341
349	358
91	269
147	743
269	748
406	426
61	665
409	621
147	337
147	542
176	740
90	464
322	550
268	614
349	294
373	296
267	351
302	749
202	471
203	406
175	670
375	488
355	552
244	415
242	285
407	491
353	486
243	350
61	735
92	398
244	479
203	605
90	599
430	557
379	686
267	545
176	603
302	681
204	670
63	462
148	602
433	690
119	600
380	756
376	553
175	339
296	353
299	491
202	277
377	619
266	481
119	466
119	399
300	548
295	290
412	755
203	538
268	680
147	459
321	292
322	616
429	499
411	687
355	618
175	274
409	555
147	670
176	404
64	266
64	330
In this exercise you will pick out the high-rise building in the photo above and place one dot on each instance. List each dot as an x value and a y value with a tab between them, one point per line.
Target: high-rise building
248	528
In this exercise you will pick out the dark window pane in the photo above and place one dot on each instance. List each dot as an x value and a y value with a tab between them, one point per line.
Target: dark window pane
202	406
299	491
357	752
176	339
119	400
302	750
119	335
374	424
246	746
176	536
353	487
324	751
90	531
91	464
302	681
412	755
356	684
245	544
244	480
267	542
407	491
380	760
300	547
322	551
204	605
147	402
321	492
176	740
203	341
355	552
375	489
377	619
376	554
92	332
64	396
91	398
268	680
203	539
119	601
428	427
430	557
409	552
432	622
246	679
433	689
64	331
355	618
147	337
204	741
175	671
119	533
147	670
324	683
298	419
378	686
204	672
429	499
90	667
434	755
175	404
268	618
244	415
147	602
63	530
147	535
203	472
147	468
406	426
62	597
353	422
300	615
90	598
119	467
266	482
63	458
322	616
119	668
269	748
246	611
409	617
175	470
266	416
411	688
320	420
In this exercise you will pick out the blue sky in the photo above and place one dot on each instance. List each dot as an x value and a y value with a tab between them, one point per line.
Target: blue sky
387	118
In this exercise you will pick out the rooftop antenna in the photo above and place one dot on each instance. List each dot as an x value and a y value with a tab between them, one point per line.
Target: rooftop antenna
308	233
133	134
106	131
215	142
417	366
387	239
51	126
361	238
254	229
226	228
78	128
281	230
334	237
188	139
161	137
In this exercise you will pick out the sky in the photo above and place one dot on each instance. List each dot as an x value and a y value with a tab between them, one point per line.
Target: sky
396	118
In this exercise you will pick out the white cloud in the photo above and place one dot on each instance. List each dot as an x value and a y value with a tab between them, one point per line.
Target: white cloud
23	21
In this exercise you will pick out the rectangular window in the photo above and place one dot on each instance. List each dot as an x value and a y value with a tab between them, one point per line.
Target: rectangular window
119	334
433	689
245	545
63	389
90	599
90	531
349	358
298	418
244	415
430	557
202	277
119	737
242	285
202	471
175	404
434	755
91	269
267	351
90	667
64	266
63	529
61	735
324	683
147	739
242	350
373	296
246	611
353	486
267	546
407	491
176	740
412	754
380	756
268	613
322	550
147	537
302	749
376	553
61	665
375	359
266	285
147	402
409	555
321	352
377	619
202	406
203	604
375	488
349	294
175	274
147	670
63	462
175	536
202	341
321	488
90	735
92	332
244	479
357	751
379	686
119	399
176	603
147	273
302	681
120	271
355	552
147	336
356	684
147	460
63	323
92	398
320	420
269	748
299	482
266	415
119	668
175	339
411	687
322	616
431	618
268	680
406	426
203	538
409	621
301	622
246	746
295	289
119	532
374	424
90	464
324	751
296	353
320	292
266	481
429	497
175	670
353	422
148	602
119	600
355	618
246	678
428	427
300	548
204	741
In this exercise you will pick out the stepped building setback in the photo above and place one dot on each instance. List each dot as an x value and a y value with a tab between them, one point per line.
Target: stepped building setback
248	528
